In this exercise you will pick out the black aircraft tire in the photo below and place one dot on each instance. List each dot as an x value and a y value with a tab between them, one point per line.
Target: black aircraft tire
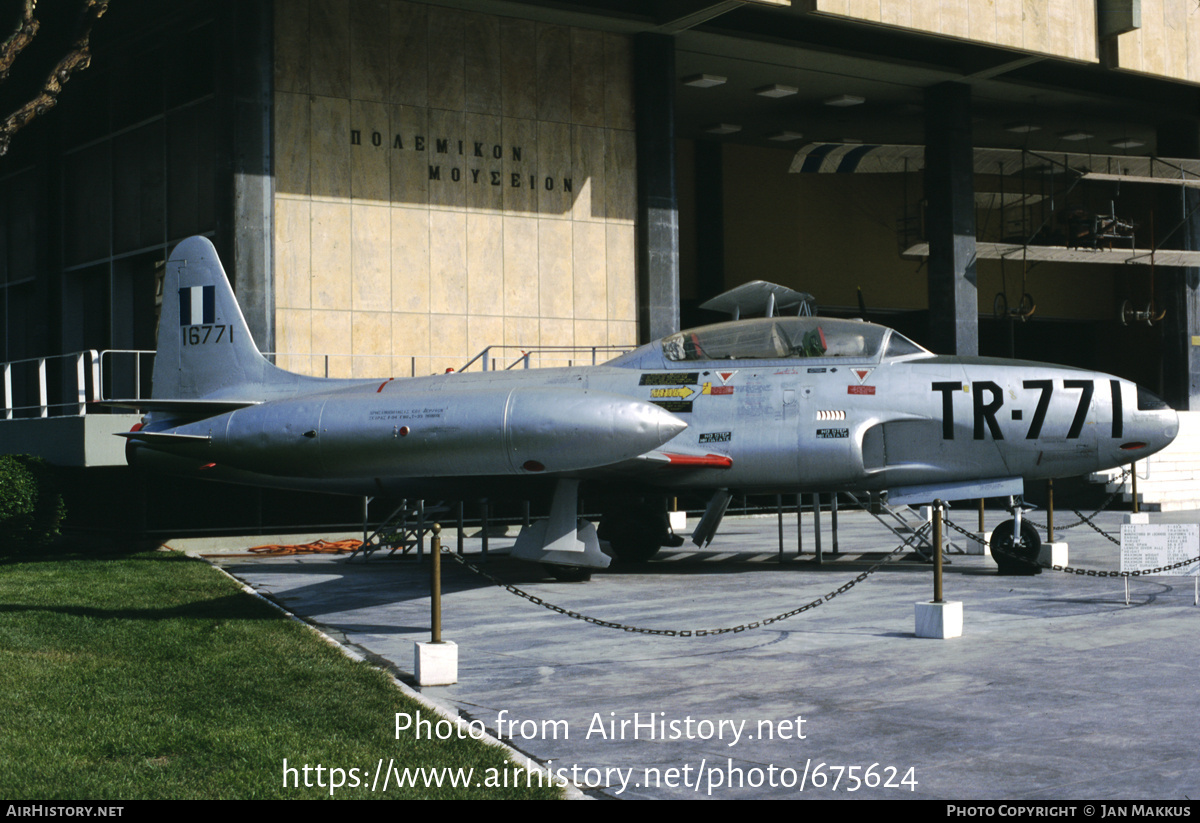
636	534
1011	556
568	574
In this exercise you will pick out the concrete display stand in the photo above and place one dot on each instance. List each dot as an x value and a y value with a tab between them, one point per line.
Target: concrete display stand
939	620
435	664
1053	554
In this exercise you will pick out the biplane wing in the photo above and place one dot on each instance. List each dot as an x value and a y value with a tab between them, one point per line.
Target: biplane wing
863	158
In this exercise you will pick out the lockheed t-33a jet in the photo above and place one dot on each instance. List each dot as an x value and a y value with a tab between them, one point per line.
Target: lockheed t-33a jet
763	405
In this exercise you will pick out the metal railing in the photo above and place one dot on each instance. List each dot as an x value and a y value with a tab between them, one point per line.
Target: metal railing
33	379
65	384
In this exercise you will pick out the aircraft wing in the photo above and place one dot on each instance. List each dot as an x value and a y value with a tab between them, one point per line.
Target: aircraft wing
1059	254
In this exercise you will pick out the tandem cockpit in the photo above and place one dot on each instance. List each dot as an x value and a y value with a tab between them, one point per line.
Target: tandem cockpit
814	339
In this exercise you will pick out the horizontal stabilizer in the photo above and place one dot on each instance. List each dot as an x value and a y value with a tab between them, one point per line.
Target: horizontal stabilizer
189	408
165	437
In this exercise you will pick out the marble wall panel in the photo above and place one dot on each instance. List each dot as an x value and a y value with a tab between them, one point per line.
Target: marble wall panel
291	46
553	73
587	77
447	62
447	262
521	266
589	333
369	50
445	167
410	338
588	161
410	259
329	157
518	54
329	48
589	270
482	71
485	264
553	175
371	344
483	171
618	81
293	249
293	136
555	287
331	336
518	195
293	336
409	167
620	263
370	258
370	175
331	266
408	27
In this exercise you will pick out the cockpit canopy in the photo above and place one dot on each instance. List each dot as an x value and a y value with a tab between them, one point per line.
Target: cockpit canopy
776	338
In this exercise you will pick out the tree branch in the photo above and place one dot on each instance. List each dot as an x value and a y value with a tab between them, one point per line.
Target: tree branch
77	59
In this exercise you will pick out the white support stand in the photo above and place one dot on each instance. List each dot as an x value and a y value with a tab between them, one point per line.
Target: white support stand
1053	554
939	620
435	664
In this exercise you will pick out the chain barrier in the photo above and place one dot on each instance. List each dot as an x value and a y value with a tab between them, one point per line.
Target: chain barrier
608	624
1107	502
1073	569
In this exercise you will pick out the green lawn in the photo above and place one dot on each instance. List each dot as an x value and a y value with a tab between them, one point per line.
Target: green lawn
153	676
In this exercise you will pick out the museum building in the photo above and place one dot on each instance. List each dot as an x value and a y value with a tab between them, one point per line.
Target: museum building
396	186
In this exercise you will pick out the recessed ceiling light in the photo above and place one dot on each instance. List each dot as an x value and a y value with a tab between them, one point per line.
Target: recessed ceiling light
845	100
704	81
722	128
1022	128
1075	135
785	136
1125	143
776	90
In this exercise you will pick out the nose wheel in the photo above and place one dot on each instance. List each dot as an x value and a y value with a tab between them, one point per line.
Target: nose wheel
1015	547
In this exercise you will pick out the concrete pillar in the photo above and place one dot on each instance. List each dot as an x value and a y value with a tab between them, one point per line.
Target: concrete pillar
658	213
949	190
710	219
1175	288
248	91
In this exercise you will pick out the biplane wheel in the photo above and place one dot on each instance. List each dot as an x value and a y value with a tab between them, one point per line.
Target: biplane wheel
1126	313
1027	305
1149	314
1016	556
568	574
1000	305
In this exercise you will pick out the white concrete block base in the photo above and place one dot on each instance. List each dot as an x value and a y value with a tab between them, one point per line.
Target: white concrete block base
678	521
435	664
939	620
1138	518
979	545
1054	554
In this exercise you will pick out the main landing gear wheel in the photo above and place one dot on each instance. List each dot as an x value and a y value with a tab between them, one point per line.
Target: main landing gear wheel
1016	556
568	574
637	532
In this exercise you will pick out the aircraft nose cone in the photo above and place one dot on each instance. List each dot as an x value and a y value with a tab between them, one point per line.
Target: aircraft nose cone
1156	422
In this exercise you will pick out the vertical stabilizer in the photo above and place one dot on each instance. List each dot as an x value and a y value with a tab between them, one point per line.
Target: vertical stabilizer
204	345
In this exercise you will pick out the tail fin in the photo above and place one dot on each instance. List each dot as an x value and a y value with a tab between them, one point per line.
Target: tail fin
204	345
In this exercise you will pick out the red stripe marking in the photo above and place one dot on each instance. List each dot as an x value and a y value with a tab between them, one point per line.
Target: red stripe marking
717	461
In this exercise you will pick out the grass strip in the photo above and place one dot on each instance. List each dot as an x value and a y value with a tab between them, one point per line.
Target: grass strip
152	676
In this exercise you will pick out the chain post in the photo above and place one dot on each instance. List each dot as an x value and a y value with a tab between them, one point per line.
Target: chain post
937	551
1050	510
435	583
